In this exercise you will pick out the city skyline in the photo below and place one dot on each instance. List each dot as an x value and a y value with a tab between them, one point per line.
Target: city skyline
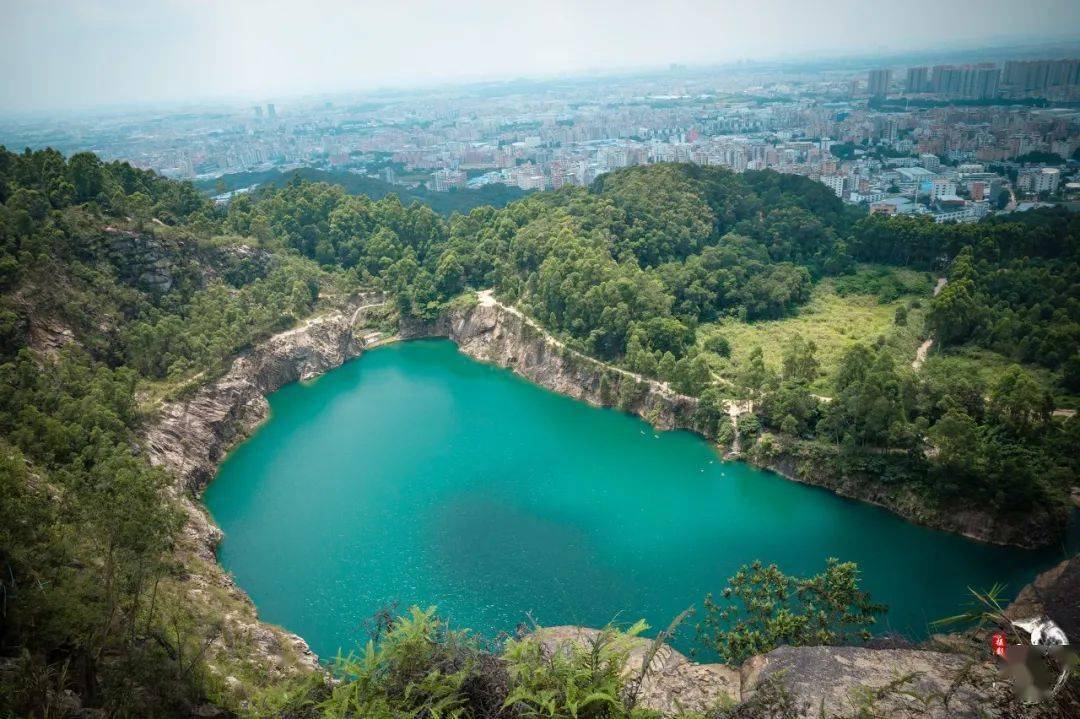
118	53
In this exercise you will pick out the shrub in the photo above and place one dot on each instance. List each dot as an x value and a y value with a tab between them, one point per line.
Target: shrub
571	682
762	608
418	668
718	344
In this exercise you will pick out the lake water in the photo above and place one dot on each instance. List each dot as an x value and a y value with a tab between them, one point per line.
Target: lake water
415	474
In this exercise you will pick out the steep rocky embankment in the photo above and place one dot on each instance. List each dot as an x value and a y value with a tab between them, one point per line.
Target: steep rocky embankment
823	681
191	436
1029	530
493	332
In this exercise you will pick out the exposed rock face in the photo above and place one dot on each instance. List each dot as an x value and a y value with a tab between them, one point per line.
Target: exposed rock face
843	680
1035	528
493	333
839	680
1055	594
47	335
144	257
192	436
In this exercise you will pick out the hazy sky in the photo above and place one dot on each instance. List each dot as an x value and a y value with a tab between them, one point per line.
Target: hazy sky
72	53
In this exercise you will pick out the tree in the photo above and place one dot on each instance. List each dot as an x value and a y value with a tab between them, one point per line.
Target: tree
762	608
692	375
1019	402
718	344
666	367
710	412
754	375
956	439
86	175
956	313
1070	372
800	363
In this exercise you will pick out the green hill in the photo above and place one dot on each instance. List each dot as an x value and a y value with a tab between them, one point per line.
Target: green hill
445	203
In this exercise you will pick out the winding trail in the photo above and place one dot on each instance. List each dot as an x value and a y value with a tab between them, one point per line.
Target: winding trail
734	408
486	298
356	313
924	348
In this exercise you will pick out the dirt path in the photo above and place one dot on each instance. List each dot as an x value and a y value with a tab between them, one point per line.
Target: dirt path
487	298
920	354
356	314
924	348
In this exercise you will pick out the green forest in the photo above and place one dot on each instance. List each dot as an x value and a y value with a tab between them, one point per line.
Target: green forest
120	287
445	203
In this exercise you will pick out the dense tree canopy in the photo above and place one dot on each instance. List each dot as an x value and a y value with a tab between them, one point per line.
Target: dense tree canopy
120	287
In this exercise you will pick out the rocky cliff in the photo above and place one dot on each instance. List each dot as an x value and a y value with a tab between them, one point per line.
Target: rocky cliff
191	436
1032	529
822	681
494	333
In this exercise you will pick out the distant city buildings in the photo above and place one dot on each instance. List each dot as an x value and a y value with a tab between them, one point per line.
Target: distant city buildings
1054	79
918	80
878	83
919	154
1022	77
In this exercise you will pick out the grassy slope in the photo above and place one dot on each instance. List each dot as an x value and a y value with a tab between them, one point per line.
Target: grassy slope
833	322
989	365
836	322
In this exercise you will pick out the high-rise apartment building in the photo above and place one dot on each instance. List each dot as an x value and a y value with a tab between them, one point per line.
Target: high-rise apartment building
974	81
878	83
918	80
1027	76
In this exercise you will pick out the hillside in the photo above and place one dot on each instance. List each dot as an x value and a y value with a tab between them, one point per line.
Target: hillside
126	297
445	203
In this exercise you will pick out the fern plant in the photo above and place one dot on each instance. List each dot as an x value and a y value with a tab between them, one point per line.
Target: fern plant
415	671
570	681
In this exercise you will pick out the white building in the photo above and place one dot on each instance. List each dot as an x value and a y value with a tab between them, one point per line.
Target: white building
930	161
966	214
941	186
1045	179
834	183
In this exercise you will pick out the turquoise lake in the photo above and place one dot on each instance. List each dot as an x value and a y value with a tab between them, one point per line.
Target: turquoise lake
415	474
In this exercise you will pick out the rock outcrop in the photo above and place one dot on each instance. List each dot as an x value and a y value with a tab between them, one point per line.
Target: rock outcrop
191	436
824	681
492	332
859	681
1055	594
